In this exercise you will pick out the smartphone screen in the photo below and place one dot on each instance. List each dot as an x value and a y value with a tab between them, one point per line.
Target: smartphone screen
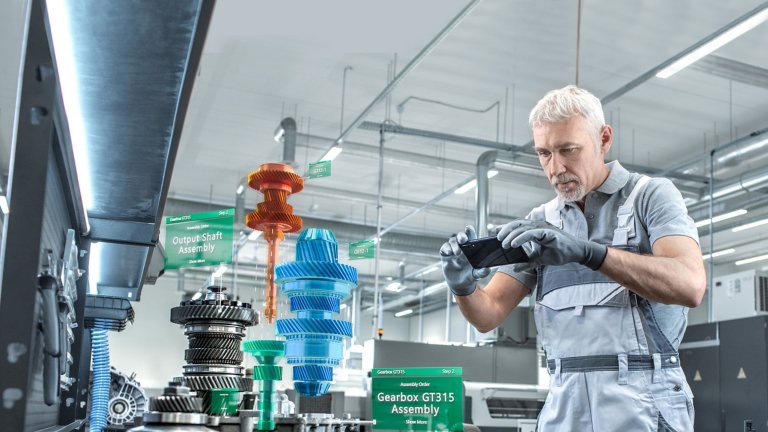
487	252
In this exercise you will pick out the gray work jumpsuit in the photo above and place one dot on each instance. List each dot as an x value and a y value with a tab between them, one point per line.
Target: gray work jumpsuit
611	366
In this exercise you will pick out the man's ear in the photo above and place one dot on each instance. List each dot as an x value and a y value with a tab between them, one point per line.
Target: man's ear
606	139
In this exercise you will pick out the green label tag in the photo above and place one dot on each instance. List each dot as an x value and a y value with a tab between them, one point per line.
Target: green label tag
362	249
200	239
427	399
319	169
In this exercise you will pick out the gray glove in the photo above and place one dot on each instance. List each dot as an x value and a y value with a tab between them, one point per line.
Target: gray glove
552	246
459	274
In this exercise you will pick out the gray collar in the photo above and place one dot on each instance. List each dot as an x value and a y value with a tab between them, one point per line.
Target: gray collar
616	180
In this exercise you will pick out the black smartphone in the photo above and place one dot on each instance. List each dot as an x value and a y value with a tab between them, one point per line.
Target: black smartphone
487	252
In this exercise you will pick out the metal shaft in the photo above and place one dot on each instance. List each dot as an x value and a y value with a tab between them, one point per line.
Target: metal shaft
270	300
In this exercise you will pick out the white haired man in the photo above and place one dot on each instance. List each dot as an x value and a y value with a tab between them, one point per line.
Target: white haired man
615	263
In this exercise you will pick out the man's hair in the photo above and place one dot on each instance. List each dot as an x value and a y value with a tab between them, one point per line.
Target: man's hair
569	101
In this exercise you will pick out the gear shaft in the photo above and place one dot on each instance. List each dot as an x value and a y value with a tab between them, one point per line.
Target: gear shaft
274	216
315	284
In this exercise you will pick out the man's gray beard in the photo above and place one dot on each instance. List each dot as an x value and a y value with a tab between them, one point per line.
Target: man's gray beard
572	195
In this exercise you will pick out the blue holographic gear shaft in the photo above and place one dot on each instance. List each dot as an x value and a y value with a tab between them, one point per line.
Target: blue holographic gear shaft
316	284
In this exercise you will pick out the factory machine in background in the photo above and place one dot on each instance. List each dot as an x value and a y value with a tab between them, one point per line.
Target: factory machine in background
495	407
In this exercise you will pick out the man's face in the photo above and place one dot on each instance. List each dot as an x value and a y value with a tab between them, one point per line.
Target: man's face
570	157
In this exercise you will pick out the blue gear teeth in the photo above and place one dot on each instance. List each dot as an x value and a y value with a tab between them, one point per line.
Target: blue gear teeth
319	270
299	326
313	373
315	303
315	283
312	388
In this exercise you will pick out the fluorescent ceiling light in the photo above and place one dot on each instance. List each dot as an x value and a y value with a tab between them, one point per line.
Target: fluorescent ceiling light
473	183
279	132
332	153
394	286
427	270
403	313
750	225
240	189
64	52
433	289
94	268
722	217
220	271
719	253
709	47
254	235
4	204
751	260
197	295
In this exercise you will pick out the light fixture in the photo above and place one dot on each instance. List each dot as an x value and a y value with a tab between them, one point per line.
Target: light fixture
332	153
717	42
197	295
220	271
240	189
254	235
63	47
428	270
393	286
4	204
751	260
433	289
279	132
343	306
750	225
403	313
719	253
473	183
94	268
721	217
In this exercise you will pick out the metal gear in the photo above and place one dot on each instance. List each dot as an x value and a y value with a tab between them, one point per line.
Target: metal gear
176	403
274	216
225	343
185	313
213	356
316	283
210	382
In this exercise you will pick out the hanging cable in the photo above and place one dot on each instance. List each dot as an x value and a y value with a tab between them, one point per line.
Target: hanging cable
97	416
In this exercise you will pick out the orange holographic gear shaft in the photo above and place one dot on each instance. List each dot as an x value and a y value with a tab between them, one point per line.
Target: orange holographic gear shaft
274	216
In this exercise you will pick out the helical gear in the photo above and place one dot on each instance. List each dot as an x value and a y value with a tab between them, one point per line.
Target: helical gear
274	216
176	403
315	283
268	354
215	327
210	382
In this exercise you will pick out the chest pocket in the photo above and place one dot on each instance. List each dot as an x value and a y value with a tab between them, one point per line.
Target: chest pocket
575	286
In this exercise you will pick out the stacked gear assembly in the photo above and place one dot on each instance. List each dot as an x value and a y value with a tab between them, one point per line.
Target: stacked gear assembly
268	354
316	284
274	216
215	327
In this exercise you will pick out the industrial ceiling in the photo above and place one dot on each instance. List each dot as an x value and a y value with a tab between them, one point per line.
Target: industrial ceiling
323	63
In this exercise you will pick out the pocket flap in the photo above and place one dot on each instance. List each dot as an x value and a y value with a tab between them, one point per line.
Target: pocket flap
594	294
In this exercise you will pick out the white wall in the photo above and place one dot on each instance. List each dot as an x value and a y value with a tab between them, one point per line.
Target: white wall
153	347
433	326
